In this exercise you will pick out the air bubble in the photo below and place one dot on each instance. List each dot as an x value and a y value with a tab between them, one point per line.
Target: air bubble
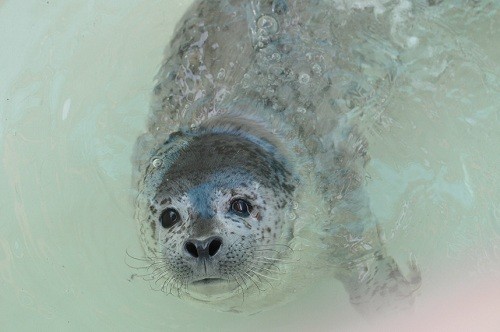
268	24
157	162
316	68
412	41
221	74
304	78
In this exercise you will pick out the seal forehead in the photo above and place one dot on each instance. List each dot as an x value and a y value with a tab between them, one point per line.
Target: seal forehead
220	158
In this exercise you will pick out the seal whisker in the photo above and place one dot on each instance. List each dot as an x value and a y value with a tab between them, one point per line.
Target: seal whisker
260	280
172	282
253	270
276	260
243	279
155	285
149	260
179	285
161	276
167	283
155	268
269	245
185	286
253	281
268	268
145	276
279	252
240	288
149	275
156	253
168	286
143	259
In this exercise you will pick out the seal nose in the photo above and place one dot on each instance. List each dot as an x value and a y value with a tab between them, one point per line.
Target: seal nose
203	248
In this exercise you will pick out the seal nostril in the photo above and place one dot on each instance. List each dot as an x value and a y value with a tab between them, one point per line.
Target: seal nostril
214	246
204	248
191	249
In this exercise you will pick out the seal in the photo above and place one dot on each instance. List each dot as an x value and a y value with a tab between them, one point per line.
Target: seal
251	173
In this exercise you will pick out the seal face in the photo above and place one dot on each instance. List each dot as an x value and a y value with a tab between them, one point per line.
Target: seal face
253	157
218	211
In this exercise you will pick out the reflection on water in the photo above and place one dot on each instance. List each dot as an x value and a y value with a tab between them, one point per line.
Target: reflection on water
74	96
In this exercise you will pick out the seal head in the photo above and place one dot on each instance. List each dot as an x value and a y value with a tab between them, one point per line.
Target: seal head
216	204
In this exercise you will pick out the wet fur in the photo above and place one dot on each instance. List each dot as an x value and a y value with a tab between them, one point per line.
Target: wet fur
299	89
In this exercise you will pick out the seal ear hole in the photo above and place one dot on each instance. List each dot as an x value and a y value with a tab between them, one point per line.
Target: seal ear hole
169	217
241	207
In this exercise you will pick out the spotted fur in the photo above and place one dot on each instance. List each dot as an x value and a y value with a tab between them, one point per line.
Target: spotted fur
261	100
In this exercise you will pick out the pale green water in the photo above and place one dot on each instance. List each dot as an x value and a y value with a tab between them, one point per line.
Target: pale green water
74	90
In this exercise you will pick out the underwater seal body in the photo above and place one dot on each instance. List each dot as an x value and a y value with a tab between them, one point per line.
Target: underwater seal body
254	144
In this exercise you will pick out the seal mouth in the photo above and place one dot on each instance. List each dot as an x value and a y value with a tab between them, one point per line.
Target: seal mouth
208	281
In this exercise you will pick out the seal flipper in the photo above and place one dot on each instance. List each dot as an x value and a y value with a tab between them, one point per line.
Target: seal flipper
372	278
377	286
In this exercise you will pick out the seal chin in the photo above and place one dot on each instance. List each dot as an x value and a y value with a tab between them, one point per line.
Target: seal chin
212	289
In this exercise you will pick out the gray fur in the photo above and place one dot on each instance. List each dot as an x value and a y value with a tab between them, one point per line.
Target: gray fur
263	99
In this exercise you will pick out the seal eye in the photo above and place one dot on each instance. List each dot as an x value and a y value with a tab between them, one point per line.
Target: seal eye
169	217
241	207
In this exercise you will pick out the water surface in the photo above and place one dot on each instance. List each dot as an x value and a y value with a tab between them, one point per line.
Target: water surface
76	81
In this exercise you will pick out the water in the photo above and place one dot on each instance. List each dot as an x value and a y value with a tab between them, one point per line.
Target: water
74	94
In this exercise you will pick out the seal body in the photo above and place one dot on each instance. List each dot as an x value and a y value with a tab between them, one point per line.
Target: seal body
254	155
